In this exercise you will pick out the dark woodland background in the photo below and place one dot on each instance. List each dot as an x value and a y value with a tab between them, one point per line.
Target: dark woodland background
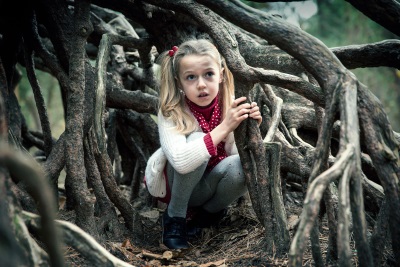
96	170
336	23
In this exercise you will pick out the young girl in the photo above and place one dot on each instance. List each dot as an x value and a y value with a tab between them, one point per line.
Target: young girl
196	120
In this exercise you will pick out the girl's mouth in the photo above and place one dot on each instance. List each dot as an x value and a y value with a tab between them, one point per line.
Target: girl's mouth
203	94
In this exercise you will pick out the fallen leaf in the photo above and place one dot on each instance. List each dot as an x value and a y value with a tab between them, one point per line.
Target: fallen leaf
293	220
126	244
167	255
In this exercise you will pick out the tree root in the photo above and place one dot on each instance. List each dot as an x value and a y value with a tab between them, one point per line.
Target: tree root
311	204
36	255
80	241
28	171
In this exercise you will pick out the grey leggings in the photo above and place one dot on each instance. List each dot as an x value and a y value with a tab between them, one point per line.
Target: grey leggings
213	191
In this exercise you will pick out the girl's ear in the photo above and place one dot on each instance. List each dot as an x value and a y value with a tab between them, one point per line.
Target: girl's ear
221	76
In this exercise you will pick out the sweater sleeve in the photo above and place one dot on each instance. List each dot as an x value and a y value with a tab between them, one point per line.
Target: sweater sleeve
184	156
210	145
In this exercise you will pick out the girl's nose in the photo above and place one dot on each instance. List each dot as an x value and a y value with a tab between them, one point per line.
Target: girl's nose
201	84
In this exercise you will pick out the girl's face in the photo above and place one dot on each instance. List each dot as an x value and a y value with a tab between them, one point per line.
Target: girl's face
199	78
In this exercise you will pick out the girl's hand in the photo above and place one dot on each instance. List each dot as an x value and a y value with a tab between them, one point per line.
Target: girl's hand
236	114
255	113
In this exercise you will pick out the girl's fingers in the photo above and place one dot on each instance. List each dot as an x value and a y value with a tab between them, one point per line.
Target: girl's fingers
237	101
255	109
255	113
239	112
245	110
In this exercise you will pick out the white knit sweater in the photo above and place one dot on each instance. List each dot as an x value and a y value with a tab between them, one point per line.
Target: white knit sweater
186	156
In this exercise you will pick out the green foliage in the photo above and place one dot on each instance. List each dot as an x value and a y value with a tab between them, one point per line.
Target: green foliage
338	23
52	96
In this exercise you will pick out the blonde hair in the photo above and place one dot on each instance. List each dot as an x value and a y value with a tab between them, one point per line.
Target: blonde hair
172	101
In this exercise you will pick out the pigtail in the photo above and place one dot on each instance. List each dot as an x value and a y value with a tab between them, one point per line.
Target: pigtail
168	91
172	101
227	88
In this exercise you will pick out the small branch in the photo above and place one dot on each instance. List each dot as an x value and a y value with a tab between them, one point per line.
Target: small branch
39	100
153	256
167	255
136	100
297	139
285	132
288	81
31	139
343	218
276	107
48	58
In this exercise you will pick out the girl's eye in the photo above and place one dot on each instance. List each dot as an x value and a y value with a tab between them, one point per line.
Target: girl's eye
190	77
209	74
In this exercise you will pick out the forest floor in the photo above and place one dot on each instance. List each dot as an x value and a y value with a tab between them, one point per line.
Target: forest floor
238	240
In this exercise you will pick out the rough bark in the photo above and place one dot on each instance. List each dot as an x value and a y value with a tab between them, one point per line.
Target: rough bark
101	155
384	151
108	219
379	238
75	168
281	233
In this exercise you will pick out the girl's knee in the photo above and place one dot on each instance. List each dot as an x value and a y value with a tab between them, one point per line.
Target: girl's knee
235	165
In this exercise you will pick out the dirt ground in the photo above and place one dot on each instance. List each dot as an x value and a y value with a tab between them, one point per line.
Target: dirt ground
237	241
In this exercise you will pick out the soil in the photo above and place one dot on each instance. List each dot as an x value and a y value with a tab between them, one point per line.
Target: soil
238	240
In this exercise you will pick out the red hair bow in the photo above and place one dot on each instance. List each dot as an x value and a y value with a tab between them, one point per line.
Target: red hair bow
172	51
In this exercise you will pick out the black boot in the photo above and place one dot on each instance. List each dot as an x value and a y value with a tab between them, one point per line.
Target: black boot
205	219
174	232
